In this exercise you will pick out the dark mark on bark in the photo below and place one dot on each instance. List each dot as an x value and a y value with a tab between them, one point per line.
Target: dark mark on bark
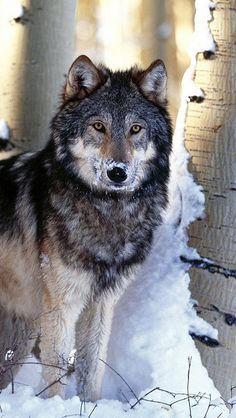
197	99
208	55
209	265
204	339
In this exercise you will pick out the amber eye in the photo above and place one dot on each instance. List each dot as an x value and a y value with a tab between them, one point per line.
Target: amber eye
135	129
99	126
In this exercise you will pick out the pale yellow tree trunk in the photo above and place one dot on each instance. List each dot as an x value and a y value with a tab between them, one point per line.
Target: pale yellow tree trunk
211	140
175	53
123	33
36	52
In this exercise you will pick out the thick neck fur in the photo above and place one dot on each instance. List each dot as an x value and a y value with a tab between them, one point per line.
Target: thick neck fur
102	232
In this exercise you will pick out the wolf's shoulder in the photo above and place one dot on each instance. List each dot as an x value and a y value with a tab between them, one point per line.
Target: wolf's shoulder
22	187
15	173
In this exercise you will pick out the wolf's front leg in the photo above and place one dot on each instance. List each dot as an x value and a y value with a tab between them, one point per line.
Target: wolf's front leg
57	335
15	343
92	335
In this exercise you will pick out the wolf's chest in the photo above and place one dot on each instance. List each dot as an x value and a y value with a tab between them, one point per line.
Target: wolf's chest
109	239
107	242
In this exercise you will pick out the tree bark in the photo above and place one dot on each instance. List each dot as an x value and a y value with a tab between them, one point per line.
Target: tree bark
36	51
211	141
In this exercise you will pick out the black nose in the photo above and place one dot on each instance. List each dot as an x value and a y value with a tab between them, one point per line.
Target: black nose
117	174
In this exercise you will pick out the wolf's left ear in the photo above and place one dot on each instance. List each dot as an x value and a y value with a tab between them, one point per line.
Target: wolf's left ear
83	78
152	82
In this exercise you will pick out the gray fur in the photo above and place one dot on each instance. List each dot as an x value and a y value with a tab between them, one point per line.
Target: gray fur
77	218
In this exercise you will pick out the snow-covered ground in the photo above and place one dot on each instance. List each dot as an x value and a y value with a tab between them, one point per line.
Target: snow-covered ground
150	349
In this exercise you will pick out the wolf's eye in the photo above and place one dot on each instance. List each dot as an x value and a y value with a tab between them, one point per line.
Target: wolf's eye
135	129
99	127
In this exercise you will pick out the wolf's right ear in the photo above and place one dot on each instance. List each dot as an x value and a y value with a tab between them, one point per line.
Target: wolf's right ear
83	78
152	82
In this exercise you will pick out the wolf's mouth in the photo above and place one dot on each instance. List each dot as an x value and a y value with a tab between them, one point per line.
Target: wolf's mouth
128	185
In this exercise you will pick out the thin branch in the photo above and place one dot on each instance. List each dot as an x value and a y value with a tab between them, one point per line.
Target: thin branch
52	384
40	364
197	398
209	265
208	407
149	400
200	396
95	406
188	382
142	398
125	398
71	415
12	381
121	377
82	404
231	404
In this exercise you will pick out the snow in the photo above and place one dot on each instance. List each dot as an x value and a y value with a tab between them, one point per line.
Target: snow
13	10
9	355
150	349
44	260
202	37
4	130
17	10
164	30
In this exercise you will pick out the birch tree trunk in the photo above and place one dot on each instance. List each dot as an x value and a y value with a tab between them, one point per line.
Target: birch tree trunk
211	141
36	51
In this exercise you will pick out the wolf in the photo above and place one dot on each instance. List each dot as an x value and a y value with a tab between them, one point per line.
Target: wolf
77	218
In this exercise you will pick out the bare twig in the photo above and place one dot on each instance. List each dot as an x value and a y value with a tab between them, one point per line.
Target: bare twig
121	377
185	396
150	400
95	406
182	399
12	381
40	364
208	407
125	398
188	382
82	404
52	384
231	404
198	398
146	394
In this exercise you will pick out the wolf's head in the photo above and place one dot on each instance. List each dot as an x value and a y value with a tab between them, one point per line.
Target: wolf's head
113	132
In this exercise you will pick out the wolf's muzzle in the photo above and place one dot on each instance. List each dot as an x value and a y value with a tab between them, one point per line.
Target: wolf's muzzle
117	174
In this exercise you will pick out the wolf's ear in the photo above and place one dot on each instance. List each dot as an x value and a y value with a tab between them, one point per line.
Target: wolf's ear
83	78
152	82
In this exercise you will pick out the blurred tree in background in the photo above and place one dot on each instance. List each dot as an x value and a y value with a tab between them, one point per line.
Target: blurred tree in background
122	33
40	38
36	49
